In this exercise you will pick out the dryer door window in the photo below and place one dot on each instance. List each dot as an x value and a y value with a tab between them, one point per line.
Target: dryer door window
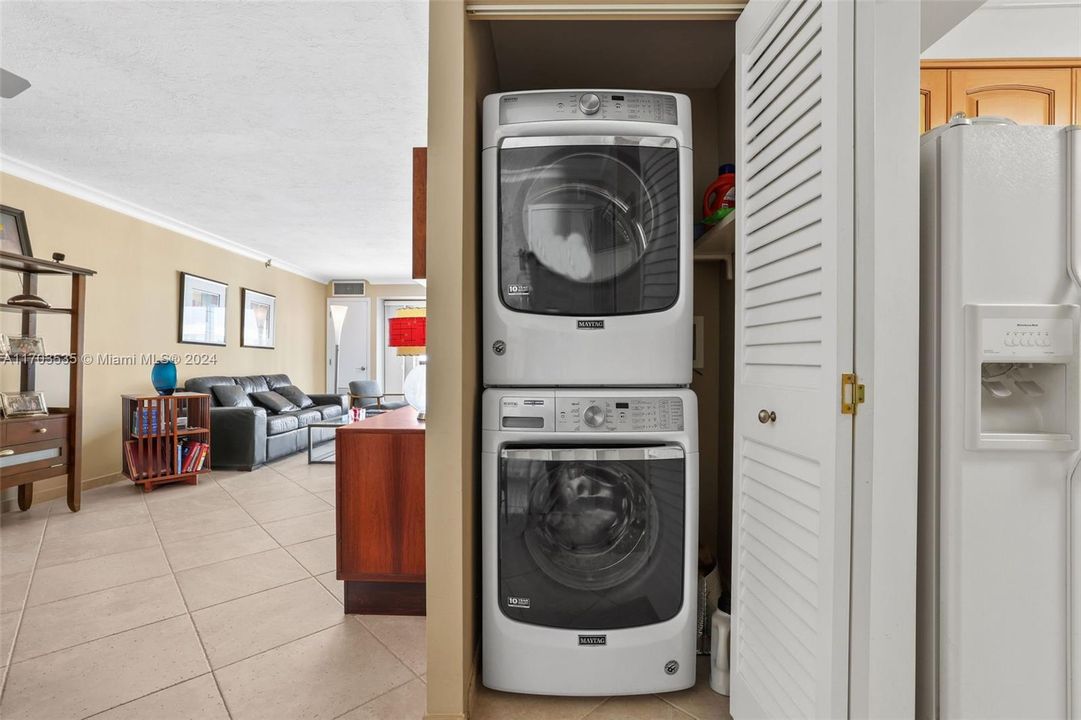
589	229
591	538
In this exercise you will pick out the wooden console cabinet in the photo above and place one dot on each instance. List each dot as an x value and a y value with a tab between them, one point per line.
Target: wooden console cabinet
380	506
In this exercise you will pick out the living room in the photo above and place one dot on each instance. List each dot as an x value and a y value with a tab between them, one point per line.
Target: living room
198	207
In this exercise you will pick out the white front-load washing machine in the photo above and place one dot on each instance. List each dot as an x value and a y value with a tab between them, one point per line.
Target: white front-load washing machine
587	239
589	540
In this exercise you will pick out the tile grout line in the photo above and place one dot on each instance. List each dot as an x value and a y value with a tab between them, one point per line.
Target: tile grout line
371	700
167	687
23	606
385	646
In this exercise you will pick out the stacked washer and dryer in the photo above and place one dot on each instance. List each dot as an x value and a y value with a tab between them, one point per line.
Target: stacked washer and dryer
589	431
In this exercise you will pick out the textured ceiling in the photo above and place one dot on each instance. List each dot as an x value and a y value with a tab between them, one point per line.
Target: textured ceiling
285	127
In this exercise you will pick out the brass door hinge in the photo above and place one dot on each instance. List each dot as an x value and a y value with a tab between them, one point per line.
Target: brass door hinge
853	393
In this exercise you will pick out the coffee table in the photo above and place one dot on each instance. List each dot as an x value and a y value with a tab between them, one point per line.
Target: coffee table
327	456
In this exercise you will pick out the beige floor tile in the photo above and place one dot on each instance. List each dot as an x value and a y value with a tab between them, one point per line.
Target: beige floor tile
289	507
291	531
13	592
492	705
102	674
638	707
184	554
319	676
67	524
192	507
700	701
18	527
9	623
196	699
72	548
404	635
185	528
331	498
182	491
267	487
407	702
318	556
17	558
243	627
85	576
122	493
318	477
65	623
333	584
212	584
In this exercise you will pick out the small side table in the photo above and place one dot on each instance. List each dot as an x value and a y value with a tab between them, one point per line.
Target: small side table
326	458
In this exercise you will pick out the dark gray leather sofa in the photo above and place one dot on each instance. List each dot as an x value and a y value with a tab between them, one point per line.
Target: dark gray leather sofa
244	438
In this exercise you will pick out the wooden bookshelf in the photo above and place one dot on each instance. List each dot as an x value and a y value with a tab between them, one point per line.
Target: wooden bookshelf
154	441
43	447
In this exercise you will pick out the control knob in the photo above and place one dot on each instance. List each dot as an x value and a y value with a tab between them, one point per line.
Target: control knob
594	416
590	103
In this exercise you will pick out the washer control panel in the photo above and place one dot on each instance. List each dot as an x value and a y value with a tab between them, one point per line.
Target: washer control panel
584	414
534	107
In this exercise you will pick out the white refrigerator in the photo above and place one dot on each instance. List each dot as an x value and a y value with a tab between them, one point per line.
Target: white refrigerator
998	601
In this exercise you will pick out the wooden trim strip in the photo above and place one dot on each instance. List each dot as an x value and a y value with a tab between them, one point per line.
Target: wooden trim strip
479	10
1000	63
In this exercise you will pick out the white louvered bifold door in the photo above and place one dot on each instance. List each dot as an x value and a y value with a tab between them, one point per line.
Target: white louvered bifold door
794	338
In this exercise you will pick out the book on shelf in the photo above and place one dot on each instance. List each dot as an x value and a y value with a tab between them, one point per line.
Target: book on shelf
145	421
143	462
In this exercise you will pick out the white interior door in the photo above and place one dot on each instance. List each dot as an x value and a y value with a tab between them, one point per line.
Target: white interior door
394	368
794	338
355	353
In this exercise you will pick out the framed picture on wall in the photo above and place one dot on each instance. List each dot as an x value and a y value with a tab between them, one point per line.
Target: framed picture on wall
257	312
202	310
16	238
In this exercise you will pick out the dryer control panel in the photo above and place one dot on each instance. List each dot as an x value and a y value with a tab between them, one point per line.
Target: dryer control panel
599	105
584	414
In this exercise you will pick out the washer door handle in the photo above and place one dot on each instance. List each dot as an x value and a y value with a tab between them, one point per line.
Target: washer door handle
767	416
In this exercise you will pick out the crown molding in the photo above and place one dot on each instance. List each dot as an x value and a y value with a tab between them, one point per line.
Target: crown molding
55	181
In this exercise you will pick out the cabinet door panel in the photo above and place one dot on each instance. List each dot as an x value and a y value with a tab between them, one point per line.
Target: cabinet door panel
933	99
1029	96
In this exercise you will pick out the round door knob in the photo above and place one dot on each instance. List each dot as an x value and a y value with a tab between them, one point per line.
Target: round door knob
590	103
594	416
767	416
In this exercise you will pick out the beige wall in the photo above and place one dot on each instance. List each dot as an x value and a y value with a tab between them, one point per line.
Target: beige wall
131	308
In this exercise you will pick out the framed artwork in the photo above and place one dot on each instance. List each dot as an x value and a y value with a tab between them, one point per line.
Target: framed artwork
257	312
23	404
16	238
202	310
22	345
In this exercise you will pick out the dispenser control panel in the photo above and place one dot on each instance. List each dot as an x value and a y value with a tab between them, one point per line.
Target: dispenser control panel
1010	337
583	414
599	105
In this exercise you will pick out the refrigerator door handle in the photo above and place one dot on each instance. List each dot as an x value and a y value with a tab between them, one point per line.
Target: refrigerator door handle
1073	202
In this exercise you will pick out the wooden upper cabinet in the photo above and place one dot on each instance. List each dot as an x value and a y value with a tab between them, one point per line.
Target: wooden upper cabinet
934	102
1028	96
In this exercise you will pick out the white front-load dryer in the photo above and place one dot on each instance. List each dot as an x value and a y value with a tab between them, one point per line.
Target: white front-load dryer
589	540
587	239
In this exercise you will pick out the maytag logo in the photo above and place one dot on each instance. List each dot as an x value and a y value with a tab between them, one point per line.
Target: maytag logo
591	324
592	639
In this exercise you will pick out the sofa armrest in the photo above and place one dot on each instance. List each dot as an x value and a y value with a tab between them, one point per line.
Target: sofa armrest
332	399
237	437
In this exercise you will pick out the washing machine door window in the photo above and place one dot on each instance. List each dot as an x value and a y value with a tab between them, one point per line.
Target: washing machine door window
589	226
591	538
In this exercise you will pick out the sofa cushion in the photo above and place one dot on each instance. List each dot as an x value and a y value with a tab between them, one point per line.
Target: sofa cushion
231	396
294	395
252	383
305	417
203	385
278	424
272	401
329	411
274	382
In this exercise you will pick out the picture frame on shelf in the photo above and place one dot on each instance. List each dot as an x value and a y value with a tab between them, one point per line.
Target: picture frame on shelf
202	310
13	231
24	345
4	351
258	312
23	404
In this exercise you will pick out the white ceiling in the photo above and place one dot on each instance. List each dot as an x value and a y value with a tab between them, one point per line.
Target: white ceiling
284	127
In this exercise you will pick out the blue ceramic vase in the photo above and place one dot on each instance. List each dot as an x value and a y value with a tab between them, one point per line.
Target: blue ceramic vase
163	375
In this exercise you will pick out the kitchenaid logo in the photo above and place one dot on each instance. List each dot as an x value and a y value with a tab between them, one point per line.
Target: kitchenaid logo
592	639
591	324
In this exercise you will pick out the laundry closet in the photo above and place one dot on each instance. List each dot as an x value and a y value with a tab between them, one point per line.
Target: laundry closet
491	50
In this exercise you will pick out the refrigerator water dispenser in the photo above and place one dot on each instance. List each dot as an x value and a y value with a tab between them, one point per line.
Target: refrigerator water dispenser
1022	385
